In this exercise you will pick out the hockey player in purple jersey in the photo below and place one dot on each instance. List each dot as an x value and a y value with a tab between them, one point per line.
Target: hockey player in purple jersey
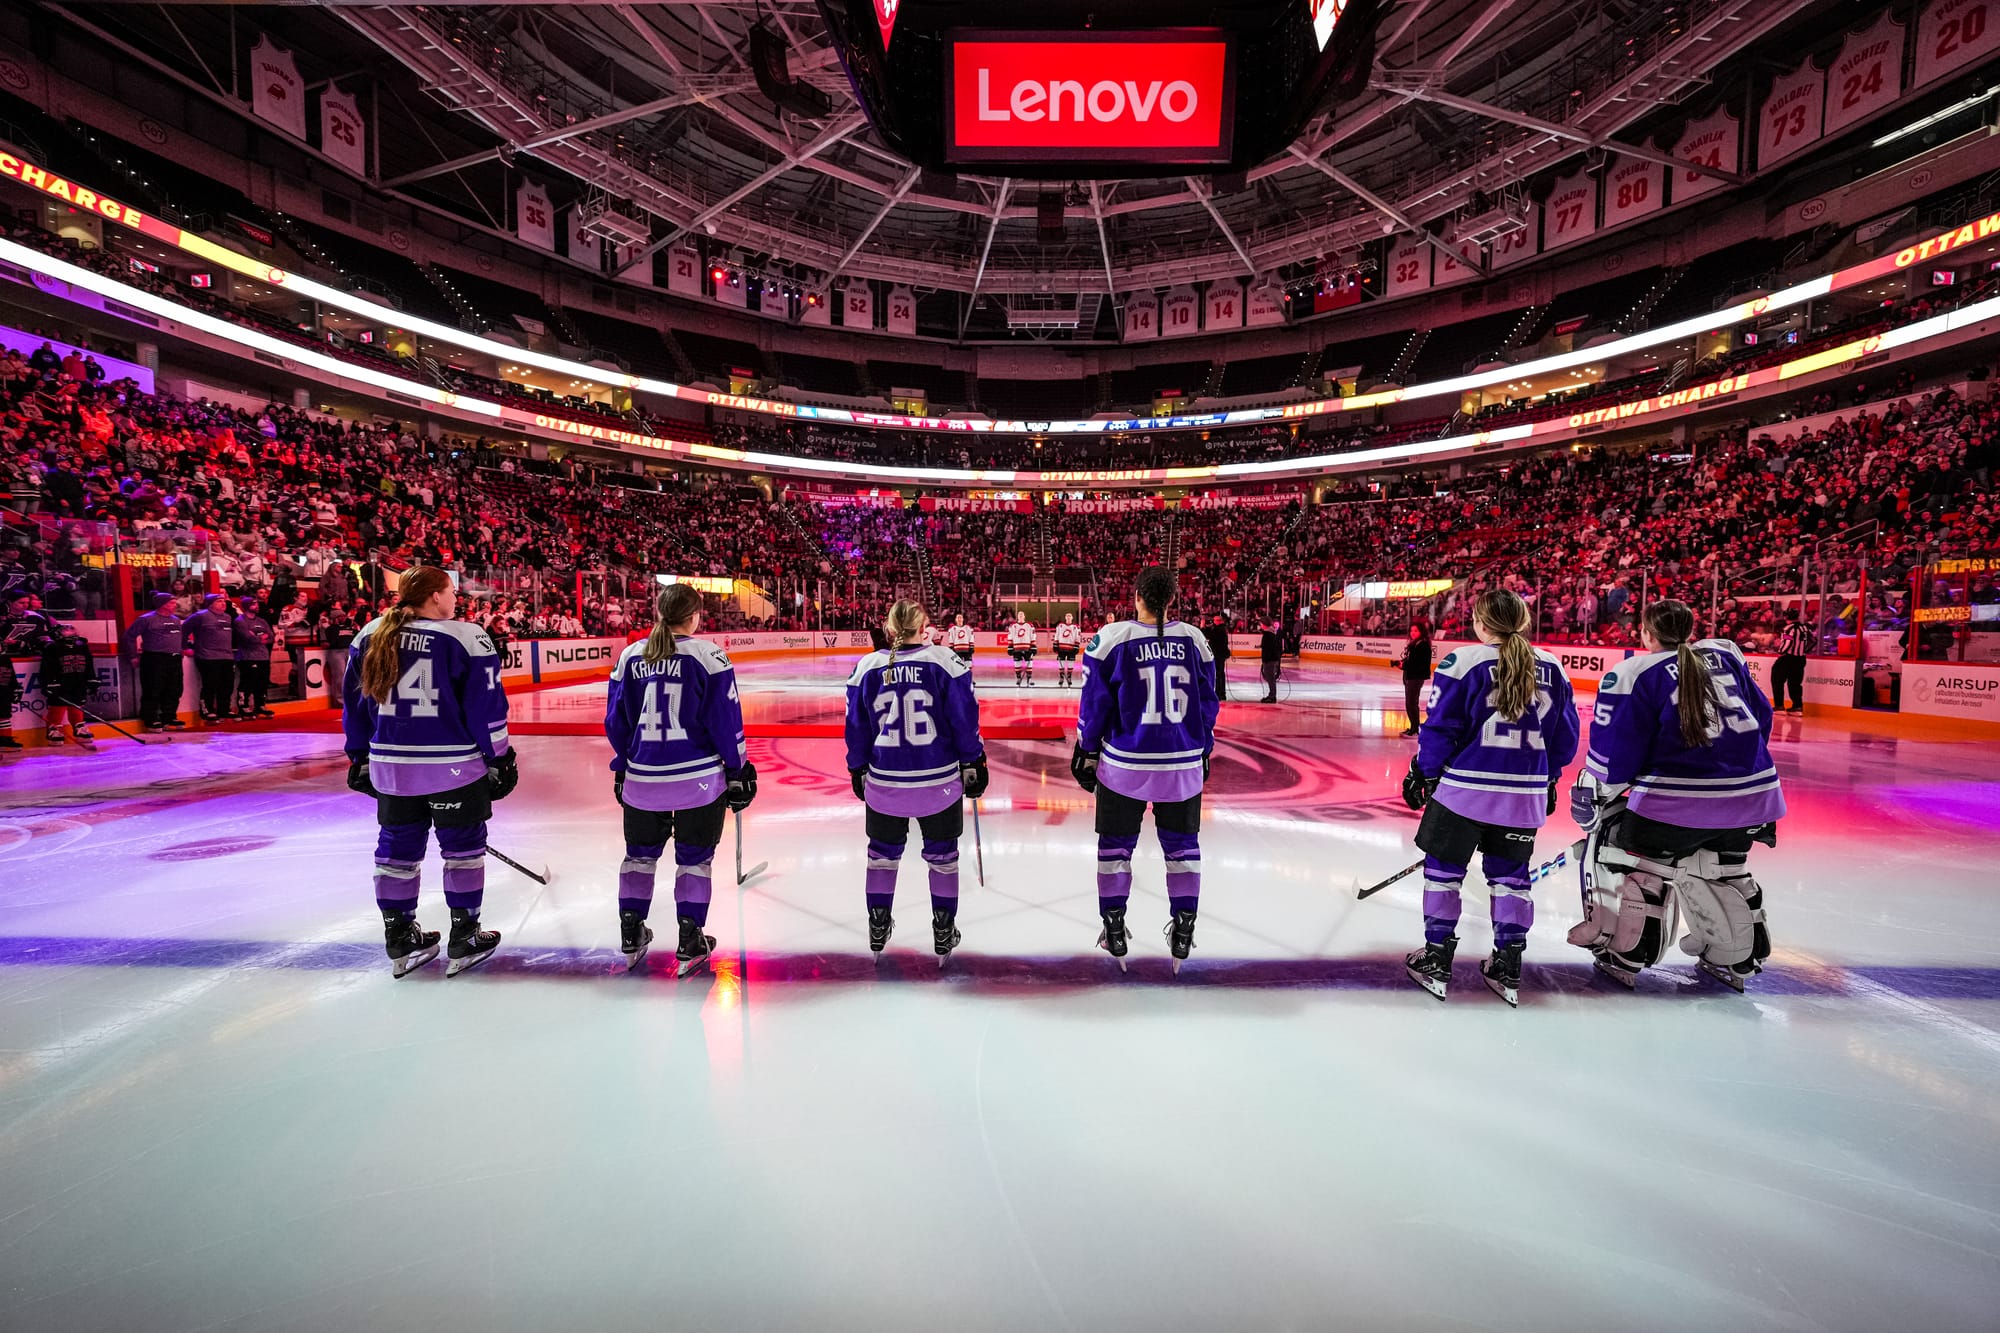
913	751
1488	758
1145	729
426	726
1676	785
678	761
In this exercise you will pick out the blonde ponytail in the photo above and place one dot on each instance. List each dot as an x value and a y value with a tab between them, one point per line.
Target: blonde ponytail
382	664
906	621
1505	616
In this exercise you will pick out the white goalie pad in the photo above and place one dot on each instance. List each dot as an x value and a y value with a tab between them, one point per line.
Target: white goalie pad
1622	893
1722	926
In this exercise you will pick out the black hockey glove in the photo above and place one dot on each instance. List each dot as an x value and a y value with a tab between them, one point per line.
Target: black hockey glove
503	774
357	777
742	788
860	777
1417	788
618	786
1552	798
1083	767
973	777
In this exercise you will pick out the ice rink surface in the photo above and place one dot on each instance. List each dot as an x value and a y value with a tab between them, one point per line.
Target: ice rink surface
217	1110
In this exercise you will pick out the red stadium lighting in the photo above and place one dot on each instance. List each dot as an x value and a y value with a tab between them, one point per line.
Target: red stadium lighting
718	275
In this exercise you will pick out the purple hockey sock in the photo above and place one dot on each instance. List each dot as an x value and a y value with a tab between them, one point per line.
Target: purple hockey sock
1442	904
692	884
1114	870
635	877
942	858
1183	854
464	851
1513	909
880	884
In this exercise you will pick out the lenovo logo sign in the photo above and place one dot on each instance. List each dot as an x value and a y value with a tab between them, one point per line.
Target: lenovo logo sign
1144	97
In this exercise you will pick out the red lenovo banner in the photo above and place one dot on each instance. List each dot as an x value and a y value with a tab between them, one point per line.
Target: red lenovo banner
1162	96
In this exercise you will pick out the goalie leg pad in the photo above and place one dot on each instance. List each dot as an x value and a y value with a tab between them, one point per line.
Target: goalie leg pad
1722	924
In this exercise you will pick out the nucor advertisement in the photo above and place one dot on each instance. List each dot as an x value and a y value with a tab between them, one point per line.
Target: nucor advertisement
1115	96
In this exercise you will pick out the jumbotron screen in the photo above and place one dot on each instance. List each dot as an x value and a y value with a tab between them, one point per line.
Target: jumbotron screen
1042	88
1154	96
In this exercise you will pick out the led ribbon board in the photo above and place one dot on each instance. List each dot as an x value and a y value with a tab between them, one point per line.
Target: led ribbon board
1930	248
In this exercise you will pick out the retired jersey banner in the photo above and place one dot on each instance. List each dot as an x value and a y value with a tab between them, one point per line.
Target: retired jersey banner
857	306
1633	188
583	247
816	307
1264	306
1142	316
902	315
1571	212
1793	114
733	288
1516	246
1867	75
277	94
1409	266
683	270
340	130
534	218
1457	261
1179	313
1952	34
1712	141
1225	305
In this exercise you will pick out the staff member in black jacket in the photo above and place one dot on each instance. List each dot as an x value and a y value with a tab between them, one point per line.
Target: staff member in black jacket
1416	671
1217	635
1270	651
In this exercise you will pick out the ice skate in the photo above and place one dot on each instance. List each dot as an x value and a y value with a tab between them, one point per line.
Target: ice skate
634	938
694	948
1112	938
470	946
410	946
1430	966
1732	977
1180	938
54	736
85	737
1611	965
880	927
1503	973
944	934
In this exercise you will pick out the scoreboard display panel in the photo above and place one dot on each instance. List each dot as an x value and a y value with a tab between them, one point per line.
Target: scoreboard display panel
1053	89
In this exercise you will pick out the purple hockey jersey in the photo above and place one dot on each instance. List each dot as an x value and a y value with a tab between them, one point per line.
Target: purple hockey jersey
1635	737
446	717
911	721
675	725
1148	708
1490	769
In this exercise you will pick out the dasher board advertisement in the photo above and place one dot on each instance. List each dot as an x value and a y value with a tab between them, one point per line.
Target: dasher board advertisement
1159	96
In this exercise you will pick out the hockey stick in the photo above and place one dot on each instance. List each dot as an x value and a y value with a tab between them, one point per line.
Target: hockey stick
978	846
1542	871
755	870
107	722
540	878
1380	885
